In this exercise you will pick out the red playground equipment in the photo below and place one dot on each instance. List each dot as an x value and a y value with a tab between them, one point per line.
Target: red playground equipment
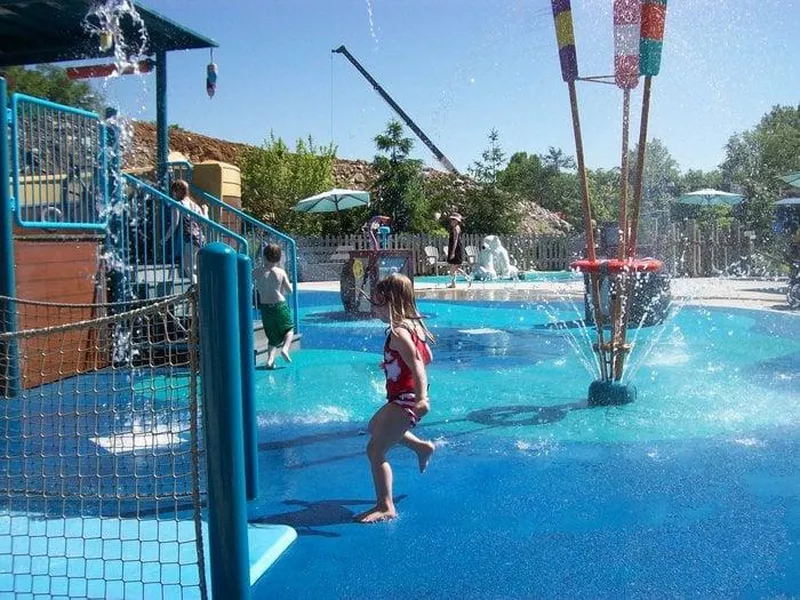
365	268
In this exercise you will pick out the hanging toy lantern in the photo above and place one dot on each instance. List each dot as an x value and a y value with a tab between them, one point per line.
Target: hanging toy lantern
211	77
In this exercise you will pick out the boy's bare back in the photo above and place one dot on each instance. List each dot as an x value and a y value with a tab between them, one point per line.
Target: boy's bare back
272	283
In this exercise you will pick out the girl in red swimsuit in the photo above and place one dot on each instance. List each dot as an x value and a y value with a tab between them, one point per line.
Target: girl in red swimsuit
405	355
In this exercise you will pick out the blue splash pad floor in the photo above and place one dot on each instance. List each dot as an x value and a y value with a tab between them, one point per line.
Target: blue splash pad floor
494	518
692	491
85	557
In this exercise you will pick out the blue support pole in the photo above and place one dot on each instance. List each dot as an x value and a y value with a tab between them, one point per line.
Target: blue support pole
295	300
9	379
248	355
162	127
220	373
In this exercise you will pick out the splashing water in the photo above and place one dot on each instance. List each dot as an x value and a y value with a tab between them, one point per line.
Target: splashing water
371	17
105	19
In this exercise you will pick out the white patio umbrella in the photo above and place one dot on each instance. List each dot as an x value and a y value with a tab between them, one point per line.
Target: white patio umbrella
709	197
332	201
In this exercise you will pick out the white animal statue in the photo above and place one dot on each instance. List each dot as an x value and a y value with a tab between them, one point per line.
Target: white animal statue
493	261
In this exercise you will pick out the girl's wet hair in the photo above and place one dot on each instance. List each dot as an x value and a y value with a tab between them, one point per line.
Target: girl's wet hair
397	293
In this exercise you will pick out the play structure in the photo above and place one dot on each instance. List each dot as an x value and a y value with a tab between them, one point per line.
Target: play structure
365	268
621	289
100	313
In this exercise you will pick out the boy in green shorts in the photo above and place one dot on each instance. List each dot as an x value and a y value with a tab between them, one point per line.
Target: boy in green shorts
272	284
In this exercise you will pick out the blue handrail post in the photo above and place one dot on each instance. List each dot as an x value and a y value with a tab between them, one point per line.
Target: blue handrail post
220	373
9	380
162	127
248	354
295	300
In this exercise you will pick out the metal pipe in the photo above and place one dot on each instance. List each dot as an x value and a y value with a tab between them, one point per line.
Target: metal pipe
9	380
162	127
248	355
220	372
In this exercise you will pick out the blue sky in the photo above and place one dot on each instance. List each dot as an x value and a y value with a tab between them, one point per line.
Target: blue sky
462	67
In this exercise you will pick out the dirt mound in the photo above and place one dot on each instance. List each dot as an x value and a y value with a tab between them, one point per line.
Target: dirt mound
357	174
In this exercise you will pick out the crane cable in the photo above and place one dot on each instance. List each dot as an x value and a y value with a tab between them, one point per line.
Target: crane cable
332	98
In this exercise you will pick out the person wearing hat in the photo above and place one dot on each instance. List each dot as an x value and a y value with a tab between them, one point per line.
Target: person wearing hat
455	250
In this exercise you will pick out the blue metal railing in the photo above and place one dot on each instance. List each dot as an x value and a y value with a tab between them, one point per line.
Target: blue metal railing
59	165
9	377
162	238
257	233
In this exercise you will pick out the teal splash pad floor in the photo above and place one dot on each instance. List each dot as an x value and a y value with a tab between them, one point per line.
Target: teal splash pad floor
690	491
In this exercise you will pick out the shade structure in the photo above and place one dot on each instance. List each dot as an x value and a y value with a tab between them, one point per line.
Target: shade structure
333	200
48	31
709	197
788	202
793	179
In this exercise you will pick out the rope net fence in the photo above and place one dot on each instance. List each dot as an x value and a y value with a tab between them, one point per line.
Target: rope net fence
101	464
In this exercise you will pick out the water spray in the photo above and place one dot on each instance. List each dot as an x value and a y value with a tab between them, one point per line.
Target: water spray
638	35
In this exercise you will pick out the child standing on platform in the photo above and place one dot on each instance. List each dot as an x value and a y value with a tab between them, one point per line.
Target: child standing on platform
272	284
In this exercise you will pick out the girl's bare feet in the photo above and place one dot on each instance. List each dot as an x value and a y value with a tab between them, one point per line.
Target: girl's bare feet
376	515
285	354
424	455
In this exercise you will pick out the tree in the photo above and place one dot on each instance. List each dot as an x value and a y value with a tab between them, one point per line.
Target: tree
661	176
275	179
755	159
399	184
545	180
604	191
51	83
556	160
487	169
487	208
524	176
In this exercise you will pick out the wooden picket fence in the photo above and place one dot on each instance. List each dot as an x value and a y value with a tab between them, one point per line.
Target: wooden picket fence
687	250
322	258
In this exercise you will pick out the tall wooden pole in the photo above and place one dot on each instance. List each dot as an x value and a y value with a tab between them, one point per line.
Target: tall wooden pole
621	300
638	184
633	228
587	224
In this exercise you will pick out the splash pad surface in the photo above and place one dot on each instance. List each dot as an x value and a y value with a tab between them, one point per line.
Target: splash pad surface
688	491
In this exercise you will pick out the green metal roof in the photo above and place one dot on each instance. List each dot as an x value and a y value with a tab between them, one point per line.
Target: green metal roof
48	31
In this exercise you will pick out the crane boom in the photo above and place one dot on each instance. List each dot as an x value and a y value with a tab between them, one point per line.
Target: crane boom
413	126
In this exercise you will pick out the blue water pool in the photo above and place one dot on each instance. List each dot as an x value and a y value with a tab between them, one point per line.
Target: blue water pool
691	491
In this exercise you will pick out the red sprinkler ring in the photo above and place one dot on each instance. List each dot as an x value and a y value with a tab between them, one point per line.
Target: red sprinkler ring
615	265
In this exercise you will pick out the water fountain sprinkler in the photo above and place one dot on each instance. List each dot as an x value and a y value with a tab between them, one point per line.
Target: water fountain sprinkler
638	35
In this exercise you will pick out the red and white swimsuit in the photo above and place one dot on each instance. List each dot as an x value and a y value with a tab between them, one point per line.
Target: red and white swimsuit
399	378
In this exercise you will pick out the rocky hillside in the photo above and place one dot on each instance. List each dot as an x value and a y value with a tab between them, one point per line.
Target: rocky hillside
356	174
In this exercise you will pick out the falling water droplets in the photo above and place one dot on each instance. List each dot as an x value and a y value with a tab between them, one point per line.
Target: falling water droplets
371	17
